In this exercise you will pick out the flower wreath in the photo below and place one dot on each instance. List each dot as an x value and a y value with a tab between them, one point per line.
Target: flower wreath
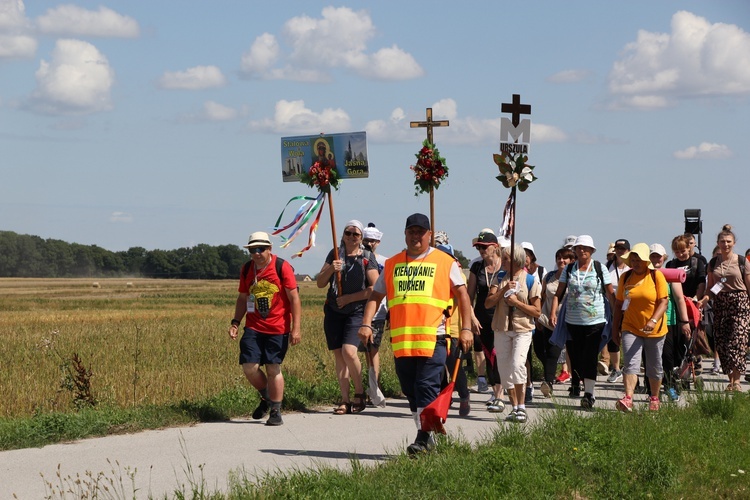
514	171
430	169
321	177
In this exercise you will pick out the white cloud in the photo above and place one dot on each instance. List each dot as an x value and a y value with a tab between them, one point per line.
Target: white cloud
338	39
569	76
196	78
292	117
15	31
696	59
704	151
121	217
77	80
213	111
71	20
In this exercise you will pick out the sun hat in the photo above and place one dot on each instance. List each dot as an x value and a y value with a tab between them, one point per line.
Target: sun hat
658	248
642	251
528	246
585	240
441	238
611	249
258	239
569	241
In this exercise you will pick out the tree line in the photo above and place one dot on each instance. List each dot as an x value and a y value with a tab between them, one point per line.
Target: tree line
26	256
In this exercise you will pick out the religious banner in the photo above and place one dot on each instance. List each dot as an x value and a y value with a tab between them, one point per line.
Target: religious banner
514	128
345	153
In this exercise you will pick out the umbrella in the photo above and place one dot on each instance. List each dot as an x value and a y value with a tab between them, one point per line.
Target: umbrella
376	395
436	413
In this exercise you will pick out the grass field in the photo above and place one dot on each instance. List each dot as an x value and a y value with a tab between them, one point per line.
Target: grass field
146	342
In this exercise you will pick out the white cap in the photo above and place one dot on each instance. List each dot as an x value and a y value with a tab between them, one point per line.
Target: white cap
585	240
569	241
657	248
528	246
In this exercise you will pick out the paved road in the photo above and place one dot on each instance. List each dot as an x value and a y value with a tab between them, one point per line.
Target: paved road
168	459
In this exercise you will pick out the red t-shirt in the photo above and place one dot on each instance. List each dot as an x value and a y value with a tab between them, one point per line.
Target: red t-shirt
272	287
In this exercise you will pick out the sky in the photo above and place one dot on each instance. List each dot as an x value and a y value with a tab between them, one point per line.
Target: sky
158	124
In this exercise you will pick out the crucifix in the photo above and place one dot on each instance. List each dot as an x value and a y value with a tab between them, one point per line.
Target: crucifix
516	109
429	124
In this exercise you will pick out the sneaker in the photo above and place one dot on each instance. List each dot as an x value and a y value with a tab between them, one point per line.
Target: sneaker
625	405
614	376
482	387
464	407
574	391
274	418
496	406
602	368
653	403
529	397
261	410
546	389
587	401
563	377
672	393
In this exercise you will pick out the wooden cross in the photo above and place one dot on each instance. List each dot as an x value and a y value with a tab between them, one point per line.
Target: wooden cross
516	108
429	124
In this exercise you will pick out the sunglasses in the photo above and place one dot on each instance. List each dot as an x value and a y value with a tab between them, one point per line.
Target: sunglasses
367	240
352	233
257	250
620	248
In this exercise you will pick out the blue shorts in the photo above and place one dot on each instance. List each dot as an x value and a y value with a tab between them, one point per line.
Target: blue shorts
341	329
263	348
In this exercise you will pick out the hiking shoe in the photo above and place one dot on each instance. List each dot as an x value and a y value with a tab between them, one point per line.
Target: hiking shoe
673	396
563	377
574	391
587	401
602	368
614	376
464	407
546	389
417	448
482	386
653	403
261	410
625	405
496	406
529	397
274	418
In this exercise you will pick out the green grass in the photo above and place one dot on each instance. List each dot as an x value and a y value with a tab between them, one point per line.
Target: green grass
677	453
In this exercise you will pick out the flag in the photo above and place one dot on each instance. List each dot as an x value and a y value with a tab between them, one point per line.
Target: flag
509	216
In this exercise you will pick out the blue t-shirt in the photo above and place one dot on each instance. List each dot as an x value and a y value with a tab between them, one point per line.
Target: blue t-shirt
585	301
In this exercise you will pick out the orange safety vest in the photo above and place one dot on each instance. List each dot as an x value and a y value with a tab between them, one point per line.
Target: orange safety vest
418	291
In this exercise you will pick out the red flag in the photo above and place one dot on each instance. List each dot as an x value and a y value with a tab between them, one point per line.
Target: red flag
436	413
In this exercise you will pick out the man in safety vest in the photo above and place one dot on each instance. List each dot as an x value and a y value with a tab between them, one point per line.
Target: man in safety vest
417	283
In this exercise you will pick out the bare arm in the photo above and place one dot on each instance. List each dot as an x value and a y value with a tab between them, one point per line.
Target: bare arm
371	307
465	336
240	307
295	336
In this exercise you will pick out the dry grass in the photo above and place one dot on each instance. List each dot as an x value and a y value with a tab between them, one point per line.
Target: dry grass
150	342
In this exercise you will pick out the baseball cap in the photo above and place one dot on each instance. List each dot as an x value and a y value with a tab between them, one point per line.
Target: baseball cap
483	231
419	220
658	248
569	241
258	239
486	239
623	242
372	233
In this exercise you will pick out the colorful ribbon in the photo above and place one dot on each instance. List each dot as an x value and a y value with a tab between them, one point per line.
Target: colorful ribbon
300	221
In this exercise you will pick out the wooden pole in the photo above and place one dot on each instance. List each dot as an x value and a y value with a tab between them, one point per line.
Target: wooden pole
512	249
432	215
333	235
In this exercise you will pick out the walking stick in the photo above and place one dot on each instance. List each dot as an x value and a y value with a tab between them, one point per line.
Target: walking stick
335	244
512	249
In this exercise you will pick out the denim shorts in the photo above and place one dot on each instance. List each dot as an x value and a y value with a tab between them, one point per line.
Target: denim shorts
377	335
263	348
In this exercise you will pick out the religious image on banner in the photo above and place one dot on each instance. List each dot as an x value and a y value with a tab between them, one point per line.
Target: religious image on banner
346	153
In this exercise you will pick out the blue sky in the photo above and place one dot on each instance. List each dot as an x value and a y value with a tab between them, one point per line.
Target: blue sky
157	124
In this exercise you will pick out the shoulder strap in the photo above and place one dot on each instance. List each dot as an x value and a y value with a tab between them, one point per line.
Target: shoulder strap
600	276
712	264
245	270
568	270
529	281
549	276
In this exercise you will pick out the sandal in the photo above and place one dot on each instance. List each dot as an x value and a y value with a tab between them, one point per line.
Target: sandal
360	406
342	409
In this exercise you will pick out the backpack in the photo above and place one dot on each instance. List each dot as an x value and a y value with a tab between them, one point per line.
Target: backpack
529	279
279	263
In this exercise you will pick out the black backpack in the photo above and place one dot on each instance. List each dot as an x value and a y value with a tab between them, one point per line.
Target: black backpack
279	263
740	260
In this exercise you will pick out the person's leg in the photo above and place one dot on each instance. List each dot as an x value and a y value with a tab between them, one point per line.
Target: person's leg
668	357
632	346
342	374
654	350
521	342
354	366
